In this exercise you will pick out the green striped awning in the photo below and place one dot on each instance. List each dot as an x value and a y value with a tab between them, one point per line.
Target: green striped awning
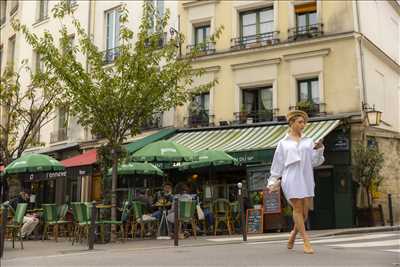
248	139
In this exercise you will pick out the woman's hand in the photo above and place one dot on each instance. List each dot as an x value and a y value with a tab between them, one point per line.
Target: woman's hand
318	145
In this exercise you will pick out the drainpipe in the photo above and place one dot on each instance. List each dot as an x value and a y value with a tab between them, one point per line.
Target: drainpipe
360	56
89	28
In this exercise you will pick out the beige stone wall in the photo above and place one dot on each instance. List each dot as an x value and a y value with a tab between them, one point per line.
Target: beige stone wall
390	147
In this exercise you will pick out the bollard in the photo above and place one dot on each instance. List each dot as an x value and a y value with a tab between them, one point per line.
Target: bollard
243	221
390	209
3	229
92	226
176	225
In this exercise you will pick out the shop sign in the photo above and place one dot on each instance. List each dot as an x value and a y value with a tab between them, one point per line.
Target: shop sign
341	143
53	175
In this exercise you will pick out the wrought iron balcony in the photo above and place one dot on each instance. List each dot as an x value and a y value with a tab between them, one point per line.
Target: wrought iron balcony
59	135
161	39
207	48
254	116
110	55
153	123
258	40
305	32
199	118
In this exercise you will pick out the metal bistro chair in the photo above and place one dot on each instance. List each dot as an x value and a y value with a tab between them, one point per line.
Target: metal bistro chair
17	223
81	221
221	213
187	211
61	219
138	220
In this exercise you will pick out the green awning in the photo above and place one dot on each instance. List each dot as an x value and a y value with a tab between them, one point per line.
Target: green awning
249	141
136	145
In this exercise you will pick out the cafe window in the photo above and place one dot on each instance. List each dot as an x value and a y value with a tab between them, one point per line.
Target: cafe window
256	22
201	34
306	15
308	90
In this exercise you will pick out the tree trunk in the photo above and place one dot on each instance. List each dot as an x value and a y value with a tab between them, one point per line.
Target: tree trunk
114	194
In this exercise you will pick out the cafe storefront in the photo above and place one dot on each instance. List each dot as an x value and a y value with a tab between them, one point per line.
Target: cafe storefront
253	145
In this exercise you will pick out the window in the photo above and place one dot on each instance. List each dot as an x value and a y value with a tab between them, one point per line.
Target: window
72	2
14	7
62	117
202	101
257	103
11	51
306	15
201	34
308	90
113	27
256	22
199	110
158	6
43	9
3	7
39	65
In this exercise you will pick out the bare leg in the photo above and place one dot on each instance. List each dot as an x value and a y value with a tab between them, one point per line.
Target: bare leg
298	209
293	233
306	208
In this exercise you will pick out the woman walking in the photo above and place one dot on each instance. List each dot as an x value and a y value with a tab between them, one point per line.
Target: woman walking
294	159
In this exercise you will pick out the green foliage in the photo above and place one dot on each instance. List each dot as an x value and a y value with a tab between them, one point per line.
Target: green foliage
26	109
367	164
256	198
305	105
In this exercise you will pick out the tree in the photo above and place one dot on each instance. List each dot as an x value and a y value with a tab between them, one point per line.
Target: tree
147	77
367	164
26	109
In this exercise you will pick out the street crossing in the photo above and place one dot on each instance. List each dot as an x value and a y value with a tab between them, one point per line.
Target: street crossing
388	242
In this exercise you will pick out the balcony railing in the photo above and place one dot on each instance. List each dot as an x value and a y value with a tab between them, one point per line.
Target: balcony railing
258	40
110	55
153	123
59	135
254	116
160	41
312	109
200	118
207	48
305	32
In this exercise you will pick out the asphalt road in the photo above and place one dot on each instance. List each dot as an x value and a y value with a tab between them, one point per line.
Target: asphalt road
375	249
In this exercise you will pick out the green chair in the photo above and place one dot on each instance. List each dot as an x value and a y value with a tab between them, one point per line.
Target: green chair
17	223
234	214
186	214
137	219
221	213
81	221
120	223
50	220
62	211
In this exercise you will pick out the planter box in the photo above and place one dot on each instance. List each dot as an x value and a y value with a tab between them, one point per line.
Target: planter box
370	217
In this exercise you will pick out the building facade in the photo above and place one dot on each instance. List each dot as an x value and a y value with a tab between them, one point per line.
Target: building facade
329	58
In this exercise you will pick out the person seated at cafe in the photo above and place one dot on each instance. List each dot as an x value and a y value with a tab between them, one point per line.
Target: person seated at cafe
30	221
163	196
143	196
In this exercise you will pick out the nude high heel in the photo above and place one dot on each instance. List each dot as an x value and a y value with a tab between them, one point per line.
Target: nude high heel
291	240
308	248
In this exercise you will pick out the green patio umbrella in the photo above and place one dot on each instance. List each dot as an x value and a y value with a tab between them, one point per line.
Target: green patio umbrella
164	151
33	163
209	158
137	168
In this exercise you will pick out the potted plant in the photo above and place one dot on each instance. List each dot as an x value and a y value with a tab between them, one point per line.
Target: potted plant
256	200
242	114
367	164
306	106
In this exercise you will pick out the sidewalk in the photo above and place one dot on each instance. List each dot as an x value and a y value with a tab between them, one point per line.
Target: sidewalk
50	248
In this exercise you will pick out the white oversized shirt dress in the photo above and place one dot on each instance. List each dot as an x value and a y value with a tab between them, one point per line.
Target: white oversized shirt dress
294	162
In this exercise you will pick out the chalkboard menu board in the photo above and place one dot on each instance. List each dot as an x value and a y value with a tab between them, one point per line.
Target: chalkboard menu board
254	221
272	202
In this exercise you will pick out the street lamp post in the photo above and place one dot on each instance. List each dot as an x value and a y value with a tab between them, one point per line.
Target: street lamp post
243	221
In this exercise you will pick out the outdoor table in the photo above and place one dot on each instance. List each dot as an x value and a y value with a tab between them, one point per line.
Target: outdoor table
163	229
99	207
